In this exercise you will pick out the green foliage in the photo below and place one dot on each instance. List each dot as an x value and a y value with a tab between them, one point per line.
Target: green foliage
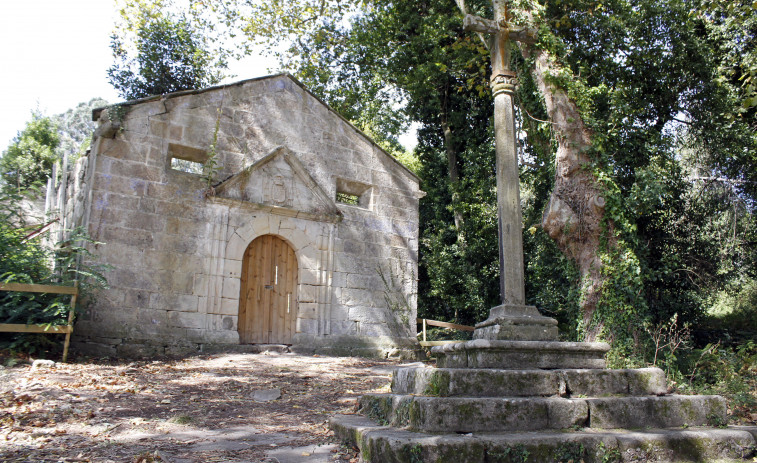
161	52
732	27
516	454
27	162
570	452
25	259
735	307
75	128
693	367
552	281
414	453
609	455
727	371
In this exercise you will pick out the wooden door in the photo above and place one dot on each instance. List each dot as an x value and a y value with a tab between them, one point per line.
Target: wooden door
268	295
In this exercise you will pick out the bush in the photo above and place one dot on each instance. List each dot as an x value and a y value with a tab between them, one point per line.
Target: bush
24	258
730	371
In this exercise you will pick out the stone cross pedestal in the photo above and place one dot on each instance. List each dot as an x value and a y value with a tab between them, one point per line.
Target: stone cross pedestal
512	320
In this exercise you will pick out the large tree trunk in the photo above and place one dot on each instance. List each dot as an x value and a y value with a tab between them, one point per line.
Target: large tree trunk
576	208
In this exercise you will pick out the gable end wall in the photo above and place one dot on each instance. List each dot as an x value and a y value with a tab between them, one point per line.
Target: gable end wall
176	255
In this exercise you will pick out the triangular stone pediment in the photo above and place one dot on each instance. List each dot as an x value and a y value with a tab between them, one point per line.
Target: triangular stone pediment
280	183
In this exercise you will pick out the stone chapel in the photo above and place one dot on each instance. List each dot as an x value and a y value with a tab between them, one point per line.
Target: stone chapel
243	214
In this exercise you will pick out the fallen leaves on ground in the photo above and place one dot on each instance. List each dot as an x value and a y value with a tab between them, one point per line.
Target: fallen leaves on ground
197	409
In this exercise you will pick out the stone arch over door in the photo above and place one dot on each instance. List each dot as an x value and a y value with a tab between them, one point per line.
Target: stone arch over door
268	292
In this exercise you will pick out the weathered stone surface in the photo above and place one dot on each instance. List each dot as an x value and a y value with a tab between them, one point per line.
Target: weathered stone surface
382	444
517	329
482	353
698	445
516	323
446	382
492	414
657	412
282	156
598	383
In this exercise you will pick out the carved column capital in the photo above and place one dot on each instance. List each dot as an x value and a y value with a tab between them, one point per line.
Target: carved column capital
504	82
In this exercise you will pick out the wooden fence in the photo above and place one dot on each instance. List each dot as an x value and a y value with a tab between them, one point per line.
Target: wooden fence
449	326
44	329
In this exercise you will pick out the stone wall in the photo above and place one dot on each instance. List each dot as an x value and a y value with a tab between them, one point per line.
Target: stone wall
175	249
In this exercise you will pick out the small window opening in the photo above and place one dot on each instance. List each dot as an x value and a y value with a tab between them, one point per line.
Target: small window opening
346	198
182	165
353	193
187	159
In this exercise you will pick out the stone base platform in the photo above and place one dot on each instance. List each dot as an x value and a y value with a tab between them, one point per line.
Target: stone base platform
522	401
391	445
517	323
517	355
540	415
453	382
508	414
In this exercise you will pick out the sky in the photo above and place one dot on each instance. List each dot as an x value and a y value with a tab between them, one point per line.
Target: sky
55	54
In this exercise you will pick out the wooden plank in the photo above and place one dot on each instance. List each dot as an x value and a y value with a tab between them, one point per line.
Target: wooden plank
451	326
52	289
244	335
291	294
71	313
20	328
264	307
437	343
255	321
256	267
277	308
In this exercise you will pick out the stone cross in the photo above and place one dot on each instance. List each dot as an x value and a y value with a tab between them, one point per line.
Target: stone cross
503	81
513	319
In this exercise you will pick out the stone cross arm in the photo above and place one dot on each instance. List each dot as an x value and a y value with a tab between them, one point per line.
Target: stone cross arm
487	26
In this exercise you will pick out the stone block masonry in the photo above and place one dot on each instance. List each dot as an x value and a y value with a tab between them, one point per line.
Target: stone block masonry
183	274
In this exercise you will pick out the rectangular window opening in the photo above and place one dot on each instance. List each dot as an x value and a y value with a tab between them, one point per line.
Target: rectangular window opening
346	198
353	193
190	167
187	159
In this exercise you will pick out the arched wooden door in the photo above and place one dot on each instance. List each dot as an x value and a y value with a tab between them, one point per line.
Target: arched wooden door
268	296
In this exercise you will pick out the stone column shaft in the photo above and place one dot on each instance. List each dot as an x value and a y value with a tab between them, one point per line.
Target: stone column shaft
511	280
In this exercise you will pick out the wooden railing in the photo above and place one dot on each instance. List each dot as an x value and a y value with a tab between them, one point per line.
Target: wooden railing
449	326
66	329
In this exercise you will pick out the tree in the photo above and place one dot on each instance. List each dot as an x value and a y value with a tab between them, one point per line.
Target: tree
75	128
27	162
161	52
732	26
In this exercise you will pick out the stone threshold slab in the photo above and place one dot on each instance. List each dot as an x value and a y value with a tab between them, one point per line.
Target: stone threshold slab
383	444
521	355
453	382
497	414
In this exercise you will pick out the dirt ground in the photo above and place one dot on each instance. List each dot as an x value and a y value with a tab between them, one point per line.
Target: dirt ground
198	409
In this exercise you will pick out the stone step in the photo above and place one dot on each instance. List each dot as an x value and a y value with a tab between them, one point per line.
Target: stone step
444	382
521	355
495	414
382	444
